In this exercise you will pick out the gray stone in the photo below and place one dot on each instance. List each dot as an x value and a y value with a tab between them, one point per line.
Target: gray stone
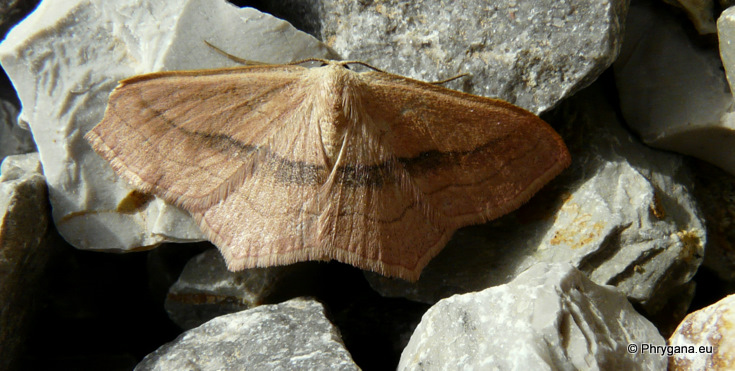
622	214
14	140
24	253
287	336
206	289
550	317
672	90
705	340
530	53
66	57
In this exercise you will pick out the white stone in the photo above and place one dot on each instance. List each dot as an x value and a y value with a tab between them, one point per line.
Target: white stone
66	57
550	317
706	339
294	335
672	91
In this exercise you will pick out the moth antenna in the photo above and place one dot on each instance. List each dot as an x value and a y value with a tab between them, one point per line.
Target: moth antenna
449	79
322	61
236	59
345	63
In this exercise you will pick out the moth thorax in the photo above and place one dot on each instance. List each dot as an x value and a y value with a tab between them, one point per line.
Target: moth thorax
332	139
339	97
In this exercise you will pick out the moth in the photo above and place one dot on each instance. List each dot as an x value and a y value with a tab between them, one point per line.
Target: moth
284	163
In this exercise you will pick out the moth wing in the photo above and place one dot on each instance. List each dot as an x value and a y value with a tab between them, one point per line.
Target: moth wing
360	213
375	219
472	158
395	196
191	136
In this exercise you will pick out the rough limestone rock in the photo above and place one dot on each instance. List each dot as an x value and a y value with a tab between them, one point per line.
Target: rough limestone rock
14	140
672	90
24	254
206	289
551	317
66	57
622	213
530	53
705	340
294	335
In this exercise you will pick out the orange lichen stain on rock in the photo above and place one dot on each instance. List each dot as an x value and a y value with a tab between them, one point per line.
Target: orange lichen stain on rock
722	356
580	232
657	208
692	244
135	201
